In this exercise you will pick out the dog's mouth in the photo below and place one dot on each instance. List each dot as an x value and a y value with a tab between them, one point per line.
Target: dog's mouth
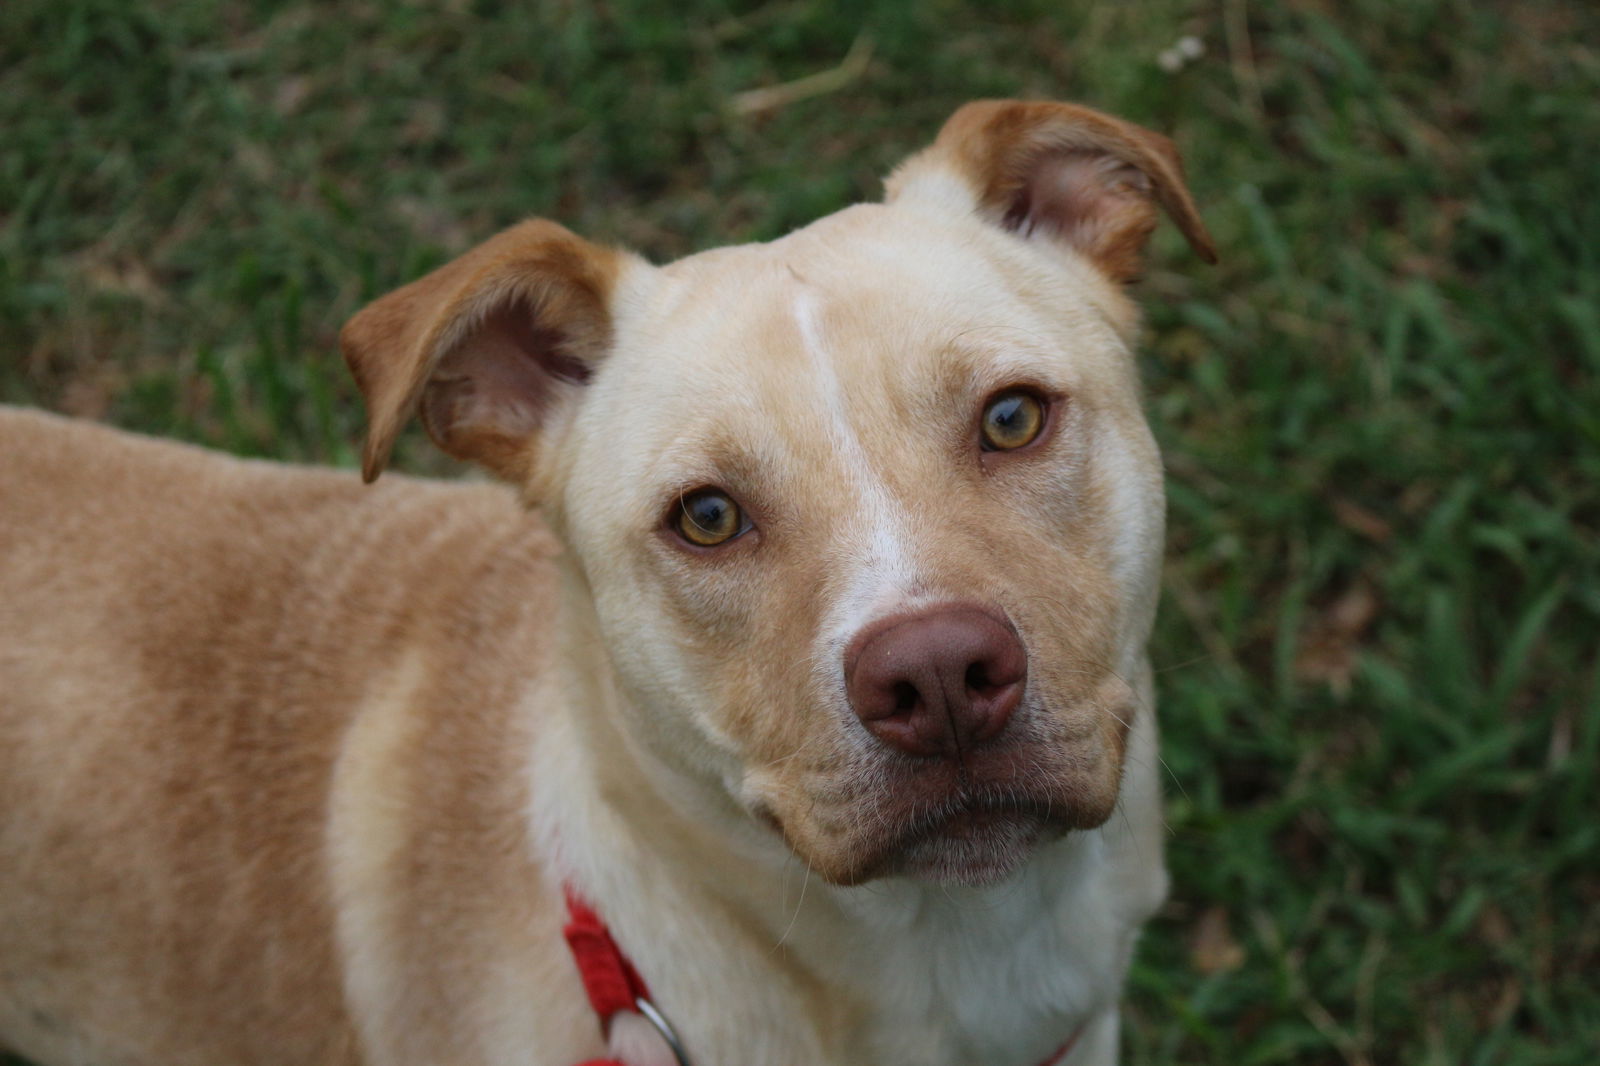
969	839
975	824
975	820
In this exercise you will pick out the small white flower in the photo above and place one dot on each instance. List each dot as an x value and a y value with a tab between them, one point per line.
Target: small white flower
1190	47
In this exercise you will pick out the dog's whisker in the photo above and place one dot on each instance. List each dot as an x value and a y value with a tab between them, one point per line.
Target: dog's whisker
805	879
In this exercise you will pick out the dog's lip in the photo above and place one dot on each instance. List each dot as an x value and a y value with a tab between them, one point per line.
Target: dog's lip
962	818
966	814
964	821
1026	790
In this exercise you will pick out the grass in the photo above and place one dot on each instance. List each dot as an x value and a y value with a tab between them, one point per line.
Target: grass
1380	644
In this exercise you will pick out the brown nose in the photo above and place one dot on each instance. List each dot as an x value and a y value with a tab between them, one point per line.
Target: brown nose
938	682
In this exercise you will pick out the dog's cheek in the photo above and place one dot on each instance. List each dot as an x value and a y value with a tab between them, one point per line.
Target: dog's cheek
716	645
1127	481
1091	524
771	699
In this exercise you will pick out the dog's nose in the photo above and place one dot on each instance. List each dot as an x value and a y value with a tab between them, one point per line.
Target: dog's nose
938	682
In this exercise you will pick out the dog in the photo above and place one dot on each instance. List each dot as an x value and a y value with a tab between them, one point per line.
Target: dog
785	702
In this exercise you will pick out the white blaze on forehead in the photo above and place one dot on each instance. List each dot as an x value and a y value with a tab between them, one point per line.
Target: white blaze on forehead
880	571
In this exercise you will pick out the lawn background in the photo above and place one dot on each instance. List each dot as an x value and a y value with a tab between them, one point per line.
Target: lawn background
1379	647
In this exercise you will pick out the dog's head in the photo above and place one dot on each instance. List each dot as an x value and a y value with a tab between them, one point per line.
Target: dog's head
869	515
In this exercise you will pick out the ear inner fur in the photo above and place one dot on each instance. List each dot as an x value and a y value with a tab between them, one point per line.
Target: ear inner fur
1068	171
484	345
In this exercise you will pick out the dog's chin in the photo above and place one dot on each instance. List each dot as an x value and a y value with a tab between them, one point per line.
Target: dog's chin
971	844
973	825
972	848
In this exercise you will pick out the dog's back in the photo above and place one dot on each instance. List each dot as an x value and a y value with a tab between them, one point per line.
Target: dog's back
184	641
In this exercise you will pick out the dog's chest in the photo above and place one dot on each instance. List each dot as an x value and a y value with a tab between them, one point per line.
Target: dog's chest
1005	980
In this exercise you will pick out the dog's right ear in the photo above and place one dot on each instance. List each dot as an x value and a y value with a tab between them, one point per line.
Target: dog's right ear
487	347
1059	174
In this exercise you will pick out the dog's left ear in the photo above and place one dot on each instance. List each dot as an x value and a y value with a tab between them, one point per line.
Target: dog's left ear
489	349
1058	172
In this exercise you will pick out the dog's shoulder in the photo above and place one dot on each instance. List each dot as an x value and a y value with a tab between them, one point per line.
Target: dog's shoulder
176	548
66	474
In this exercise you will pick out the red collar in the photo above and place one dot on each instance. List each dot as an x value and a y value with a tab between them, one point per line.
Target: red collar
614	986
610	980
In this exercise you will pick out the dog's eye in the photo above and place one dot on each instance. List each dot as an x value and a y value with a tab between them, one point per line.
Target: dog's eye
709	517
1011	420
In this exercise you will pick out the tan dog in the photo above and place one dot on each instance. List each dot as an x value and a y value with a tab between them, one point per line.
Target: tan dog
819	671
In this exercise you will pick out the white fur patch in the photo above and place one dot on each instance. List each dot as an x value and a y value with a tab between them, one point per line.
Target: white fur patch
883	572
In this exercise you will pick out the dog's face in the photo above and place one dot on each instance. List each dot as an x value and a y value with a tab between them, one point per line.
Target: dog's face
784	463
869	516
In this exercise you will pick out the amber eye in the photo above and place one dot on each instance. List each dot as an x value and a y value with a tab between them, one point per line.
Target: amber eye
1011	420
707	518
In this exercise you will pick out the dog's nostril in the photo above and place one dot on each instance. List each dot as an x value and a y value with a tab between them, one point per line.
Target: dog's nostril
978	677
905	697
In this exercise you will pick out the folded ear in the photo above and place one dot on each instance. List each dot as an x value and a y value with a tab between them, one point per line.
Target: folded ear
1060	172
487	347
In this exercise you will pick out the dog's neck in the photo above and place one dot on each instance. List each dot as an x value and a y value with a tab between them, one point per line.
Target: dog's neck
691	884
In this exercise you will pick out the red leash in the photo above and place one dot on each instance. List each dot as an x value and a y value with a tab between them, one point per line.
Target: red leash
614	986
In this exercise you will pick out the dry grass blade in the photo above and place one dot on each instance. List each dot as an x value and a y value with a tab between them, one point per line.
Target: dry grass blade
769	98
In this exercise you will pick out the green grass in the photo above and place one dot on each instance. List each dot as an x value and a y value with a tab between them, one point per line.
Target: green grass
1380	647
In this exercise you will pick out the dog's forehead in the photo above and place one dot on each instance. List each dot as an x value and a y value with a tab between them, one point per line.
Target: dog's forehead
877	267
900	282
789	355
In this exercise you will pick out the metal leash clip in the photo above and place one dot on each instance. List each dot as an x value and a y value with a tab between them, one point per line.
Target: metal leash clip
654	1016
